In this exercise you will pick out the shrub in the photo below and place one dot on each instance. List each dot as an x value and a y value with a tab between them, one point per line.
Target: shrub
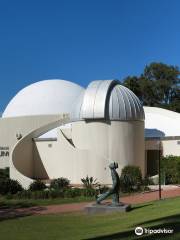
126	183
71	193
40	194
89	182
60	183
90	192
25	194
170	166
131	179
77	191
147	181
103	189
4	173
55	193
37	186
9	196
9	186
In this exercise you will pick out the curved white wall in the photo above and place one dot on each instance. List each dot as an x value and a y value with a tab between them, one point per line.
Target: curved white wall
166	122
22	166
96	145
118	141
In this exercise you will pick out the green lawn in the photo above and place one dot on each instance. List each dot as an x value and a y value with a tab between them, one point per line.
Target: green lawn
21	203
157	214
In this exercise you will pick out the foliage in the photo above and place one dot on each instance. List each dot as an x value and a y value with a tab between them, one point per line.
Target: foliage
102	189
133	84
134	172
158	85
60	183
89	182
170	165
37	186
9	186
76	192
126	184
89	192
147	181
72	192
4	173
131	179
59	188
54	193
38	194
25	194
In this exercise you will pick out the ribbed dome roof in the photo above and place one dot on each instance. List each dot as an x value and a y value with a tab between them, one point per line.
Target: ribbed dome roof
124	105
103	99
108	99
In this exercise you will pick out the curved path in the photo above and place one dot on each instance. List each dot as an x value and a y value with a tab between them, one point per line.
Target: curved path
77	207
134	199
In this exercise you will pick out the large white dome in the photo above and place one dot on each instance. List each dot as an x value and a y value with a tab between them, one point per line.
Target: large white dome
45	97
161	122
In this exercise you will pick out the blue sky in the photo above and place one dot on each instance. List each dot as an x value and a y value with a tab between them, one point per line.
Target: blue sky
83	40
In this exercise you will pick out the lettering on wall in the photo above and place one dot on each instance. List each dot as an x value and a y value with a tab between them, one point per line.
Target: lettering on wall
4	151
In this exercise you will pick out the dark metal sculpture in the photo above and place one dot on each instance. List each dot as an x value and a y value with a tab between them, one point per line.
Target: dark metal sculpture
114	191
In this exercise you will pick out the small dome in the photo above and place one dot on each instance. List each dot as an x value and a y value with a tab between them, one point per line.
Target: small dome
108	99
44	98
124	105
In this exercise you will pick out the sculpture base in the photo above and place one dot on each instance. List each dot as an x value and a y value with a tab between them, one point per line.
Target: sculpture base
106	208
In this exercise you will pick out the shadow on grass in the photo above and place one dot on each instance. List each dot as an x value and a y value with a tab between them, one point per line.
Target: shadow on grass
164	220
16	210
141	206
14	205
170	222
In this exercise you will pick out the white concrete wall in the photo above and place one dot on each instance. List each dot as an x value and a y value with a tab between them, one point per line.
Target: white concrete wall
162	120
119	141
171	147
168	147
96	145
22	157
9	127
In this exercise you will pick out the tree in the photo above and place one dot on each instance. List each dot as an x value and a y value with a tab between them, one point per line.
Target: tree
165	79
143	88
148	92
133	84
158	85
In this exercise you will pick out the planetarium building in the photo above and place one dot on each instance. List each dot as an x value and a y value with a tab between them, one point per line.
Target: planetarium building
56	128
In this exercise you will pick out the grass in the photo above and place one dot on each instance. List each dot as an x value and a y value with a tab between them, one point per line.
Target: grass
157	214
21	203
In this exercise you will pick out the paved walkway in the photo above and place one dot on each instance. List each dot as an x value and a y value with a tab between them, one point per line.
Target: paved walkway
76	207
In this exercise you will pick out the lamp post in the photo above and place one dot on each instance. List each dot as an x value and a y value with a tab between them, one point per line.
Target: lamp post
159	168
